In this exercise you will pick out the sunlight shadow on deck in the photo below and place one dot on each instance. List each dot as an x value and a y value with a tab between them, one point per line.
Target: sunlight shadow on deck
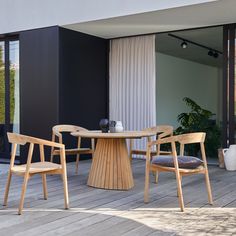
169	220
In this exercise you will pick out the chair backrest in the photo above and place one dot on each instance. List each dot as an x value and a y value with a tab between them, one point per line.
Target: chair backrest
183	139
198	137
161	130
57	130
67	128
19	139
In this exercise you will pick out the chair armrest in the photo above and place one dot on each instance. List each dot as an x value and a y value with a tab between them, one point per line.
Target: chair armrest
162	141
48	143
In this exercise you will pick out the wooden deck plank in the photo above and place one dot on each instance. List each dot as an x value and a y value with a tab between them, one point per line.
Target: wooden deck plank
103	212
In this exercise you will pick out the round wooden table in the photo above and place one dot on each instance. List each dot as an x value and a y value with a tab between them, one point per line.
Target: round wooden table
111	167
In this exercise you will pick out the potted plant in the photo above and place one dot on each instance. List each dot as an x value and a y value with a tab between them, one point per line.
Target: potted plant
200	120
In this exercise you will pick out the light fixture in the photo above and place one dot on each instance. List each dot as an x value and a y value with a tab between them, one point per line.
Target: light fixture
210	53
216	54
213	54
184	44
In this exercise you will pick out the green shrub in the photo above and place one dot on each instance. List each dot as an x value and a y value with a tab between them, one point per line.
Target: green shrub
200	120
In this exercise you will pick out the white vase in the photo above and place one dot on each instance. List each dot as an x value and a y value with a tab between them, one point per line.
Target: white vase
119	127
230	157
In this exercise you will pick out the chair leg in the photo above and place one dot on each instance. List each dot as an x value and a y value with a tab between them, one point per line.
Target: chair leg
179	189
24	186
65	186
130	150
180	176
156	177
45	191
7	188
208	185
77	164
146	188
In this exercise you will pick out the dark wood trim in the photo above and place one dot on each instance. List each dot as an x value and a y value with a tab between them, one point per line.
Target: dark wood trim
231	83
225	88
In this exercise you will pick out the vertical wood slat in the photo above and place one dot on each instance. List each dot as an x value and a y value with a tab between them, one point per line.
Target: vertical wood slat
112	163
119	180
107	163
115	174
102	164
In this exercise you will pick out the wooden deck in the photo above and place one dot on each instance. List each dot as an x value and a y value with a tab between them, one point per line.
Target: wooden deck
102	212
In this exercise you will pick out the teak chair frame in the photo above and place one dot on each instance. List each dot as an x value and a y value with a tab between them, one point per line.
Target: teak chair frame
57	131
29	169
179	172
161	132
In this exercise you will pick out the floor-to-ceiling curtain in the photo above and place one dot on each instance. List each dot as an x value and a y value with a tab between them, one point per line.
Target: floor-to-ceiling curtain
132	83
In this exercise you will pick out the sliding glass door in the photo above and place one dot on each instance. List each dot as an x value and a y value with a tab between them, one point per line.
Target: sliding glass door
9	92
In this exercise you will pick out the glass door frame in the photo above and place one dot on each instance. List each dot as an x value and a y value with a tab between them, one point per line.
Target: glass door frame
7	40
228	134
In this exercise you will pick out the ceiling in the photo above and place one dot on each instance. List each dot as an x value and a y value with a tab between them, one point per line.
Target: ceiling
210	37
200	15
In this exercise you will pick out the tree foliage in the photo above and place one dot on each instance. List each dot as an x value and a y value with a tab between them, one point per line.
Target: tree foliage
3	89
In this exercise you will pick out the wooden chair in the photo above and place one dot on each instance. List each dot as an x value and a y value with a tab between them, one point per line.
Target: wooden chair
161	132
29	169
181	165
57	132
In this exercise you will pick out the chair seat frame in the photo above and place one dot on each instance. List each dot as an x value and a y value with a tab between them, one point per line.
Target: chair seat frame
183	139
29	169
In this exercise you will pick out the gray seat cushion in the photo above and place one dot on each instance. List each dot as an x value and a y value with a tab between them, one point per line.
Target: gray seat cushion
186	162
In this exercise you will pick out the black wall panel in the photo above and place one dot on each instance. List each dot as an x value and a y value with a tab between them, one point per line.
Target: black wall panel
83	81
39	73
63	80
83	78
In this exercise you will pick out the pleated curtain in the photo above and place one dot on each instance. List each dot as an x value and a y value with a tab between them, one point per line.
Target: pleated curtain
132	83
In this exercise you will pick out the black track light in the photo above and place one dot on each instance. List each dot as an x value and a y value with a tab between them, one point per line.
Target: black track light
185	42
184	45
216	54
210	53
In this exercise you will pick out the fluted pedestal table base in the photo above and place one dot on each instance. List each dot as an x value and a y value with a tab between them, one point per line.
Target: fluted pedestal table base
111	165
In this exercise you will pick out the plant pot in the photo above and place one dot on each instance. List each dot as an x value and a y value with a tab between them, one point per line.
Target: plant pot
221	158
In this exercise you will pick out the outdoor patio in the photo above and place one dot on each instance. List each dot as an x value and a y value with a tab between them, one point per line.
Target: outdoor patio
103	212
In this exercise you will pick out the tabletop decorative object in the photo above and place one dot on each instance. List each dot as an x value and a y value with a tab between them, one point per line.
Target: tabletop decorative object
112	126
104	125
119	127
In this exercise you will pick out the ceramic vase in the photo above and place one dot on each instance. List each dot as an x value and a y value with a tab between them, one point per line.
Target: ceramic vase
119	127
230	157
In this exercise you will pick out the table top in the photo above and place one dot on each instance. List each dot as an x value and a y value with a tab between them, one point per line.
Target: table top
124	134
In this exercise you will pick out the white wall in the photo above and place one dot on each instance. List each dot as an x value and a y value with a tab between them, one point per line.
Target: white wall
178	78
17	15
